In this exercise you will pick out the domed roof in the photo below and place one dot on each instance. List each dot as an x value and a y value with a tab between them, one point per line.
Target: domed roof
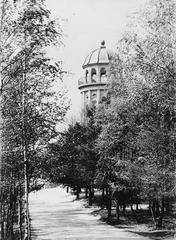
98	56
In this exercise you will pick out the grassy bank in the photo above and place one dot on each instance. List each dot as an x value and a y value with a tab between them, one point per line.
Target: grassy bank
138	221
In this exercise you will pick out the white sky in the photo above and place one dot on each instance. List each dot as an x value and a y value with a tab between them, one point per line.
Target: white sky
88	23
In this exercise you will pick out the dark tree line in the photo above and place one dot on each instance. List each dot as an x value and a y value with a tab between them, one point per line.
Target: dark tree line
72	159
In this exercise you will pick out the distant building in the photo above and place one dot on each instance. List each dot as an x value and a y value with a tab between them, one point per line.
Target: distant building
96	74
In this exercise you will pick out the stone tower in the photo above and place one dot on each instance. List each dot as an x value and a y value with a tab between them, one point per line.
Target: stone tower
96	73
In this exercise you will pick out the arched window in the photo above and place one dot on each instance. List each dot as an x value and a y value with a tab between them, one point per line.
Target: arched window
87	76
103	76
94	96
93	75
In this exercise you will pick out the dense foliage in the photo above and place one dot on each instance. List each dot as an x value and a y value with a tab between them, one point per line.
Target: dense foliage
137	141
72	159
31	106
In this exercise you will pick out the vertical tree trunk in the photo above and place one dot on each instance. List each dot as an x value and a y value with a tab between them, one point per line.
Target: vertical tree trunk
154	207
103	198
117	210
11	213
157	211
168	205
2	223
103	194
77	192
25	160
109	201
161	215
93	193
86	192
150	205
90	196
20	213
1	208
124	207
153	215
134	213
1	195
137	206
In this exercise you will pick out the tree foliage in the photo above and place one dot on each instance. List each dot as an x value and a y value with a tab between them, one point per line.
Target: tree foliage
32	105
137	141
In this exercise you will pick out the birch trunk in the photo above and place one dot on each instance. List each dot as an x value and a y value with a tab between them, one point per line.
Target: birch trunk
26	204
1	209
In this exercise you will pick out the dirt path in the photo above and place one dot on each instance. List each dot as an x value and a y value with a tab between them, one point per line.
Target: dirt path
55	215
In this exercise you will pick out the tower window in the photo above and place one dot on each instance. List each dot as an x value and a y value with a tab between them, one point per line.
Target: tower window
94	97
93	75
103	75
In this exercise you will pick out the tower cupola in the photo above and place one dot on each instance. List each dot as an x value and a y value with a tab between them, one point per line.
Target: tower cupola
96	72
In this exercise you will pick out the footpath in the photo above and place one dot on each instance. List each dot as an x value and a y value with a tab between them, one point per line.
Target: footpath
56	215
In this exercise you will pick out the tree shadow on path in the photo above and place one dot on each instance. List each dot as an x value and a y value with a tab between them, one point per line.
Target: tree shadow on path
156	235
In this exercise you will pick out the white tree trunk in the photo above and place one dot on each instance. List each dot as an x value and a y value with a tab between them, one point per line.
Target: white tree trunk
1	23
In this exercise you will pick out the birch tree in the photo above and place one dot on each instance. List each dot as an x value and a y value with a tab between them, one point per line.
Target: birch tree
32	106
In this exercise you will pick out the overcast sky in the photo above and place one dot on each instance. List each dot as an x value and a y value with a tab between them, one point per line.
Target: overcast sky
87	23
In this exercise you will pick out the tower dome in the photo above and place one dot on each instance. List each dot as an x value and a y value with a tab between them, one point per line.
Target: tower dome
101	55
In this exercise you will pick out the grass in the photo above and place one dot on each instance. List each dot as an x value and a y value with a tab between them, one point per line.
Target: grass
143	226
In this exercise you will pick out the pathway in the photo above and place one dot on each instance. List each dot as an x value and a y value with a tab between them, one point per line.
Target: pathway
55	215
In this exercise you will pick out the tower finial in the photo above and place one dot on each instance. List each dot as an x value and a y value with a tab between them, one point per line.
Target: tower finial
103	43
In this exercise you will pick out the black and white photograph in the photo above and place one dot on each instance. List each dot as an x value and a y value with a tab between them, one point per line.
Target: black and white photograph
87	119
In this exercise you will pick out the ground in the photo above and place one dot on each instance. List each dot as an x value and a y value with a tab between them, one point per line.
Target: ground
56	215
